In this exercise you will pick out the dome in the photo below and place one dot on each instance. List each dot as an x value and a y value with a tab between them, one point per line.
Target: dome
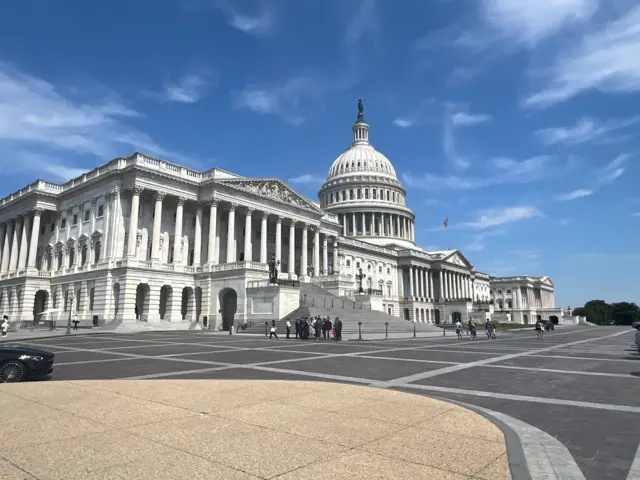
361	159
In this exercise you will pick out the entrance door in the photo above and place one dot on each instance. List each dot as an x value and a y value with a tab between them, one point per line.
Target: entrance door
229	306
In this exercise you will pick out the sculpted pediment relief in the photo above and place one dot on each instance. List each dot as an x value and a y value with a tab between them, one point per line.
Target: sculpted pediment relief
457	259
272	189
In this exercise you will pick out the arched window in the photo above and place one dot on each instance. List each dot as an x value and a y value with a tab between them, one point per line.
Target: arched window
351	194
344	195
374	193
366	193
359	192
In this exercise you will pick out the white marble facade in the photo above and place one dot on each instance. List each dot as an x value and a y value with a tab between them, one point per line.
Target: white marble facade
142	237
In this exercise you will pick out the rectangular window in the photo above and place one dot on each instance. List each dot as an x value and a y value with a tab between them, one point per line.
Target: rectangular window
75	220
53	227
100	211
63	224
87	215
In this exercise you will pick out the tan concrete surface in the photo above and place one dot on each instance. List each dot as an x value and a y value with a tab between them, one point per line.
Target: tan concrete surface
239	429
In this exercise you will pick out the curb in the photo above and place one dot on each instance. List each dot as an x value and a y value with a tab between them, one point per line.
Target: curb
57	335
515	453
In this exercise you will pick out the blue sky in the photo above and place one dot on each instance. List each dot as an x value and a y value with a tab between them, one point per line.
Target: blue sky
517	120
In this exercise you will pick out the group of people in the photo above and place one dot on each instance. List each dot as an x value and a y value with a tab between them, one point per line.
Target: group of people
489	327
320	327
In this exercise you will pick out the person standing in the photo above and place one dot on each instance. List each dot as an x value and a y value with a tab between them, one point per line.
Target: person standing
5	325
298	327
288	328
539	330
273	331
338	324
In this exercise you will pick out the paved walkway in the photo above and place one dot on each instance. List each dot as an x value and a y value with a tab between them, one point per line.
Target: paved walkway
240	429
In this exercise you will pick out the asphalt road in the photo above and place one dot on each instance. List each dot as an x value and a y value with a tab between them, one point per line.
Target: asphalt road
578	384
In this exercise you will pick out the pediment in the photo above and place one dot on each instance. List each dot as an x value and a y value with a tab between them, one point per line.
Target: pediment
456	258
272	189
547	281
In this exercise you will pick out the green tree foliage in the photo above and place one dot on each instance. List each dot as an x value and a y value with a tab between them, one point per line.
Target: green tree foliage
603	313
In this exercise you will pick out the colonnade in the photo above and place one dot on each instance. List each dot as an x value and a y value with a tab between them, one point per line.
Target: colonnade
525	298
377	224
19	242
452	285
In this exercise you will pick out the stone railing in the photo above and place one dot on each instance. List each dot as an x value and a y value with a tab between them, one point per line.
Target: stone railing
367	246
239	266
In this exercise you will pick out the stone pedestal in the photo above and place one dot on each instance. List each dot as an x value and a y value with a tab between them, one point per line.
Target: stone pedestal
272	302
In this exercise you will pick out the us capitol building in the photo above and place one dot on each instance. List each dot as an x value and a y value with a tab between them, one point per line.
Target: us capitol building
140	238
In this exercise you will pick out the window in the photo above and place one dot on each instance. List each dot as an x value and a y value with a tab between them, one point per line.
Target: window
75	220
87	215
53	227
508	291
100	211
63	224
357	264
388	270
348	263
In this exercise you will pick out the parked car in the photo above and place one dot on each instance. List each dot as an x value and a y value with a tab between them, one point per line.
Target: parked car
638	340
548	325
20	363
635	325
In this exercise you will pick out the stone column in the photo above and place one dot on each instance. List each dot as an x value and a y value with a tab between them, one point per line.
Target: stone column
279	240
380	225
231	225
213	220
15	245
411	283
3	232
24	243
372	224
157	225
304	262
364	226
33	241
397	226
197	238
292	250
335	255
316	251
419	281
355	227
107	231
177	234
445	283
133	221
325	255
430	276
263	237
344	226
248	244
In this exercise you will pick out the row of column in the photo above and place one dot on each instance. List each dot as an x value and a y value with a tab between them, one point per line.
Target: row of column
453	285
212	252
19	242
377	224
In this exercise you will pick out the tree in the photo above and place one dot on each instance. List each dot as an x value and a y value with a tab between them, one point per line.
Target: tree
603	313
625	313
598	311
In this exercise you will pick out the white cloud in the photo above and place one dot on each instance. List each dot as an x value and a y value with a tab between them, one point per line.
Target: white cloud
258	23
606	60
449	145
478	242
38	125
307	179
613	170
467	119
585	130
636	214
501	171
403	123
529	22
575	194
189	89
496	217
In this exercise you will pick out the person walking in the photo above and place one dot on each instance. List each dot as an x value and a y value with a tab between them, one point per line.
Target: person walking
459	329
488	328
288	328
472	330
273	331
539	330
5	325
318	327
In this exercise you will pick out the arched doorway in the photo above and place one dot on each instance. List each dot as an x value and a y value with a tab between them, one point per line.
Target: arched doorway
142	301
436	316
186	309
553	319
525	319
228	307
40	304
539	318
406	314
456	317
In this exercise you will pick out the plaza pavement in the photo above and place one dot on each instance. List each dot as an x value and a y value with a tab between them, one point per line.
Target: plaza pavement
569	400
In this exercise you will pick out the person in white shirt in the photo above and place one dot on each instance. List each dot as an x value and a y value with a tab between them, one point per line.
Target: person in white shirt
5	325
288	327
459	329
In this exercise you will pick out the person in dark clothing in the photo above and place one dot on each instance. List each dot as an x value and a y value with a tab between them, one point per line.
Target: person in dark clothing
324	329
329	328
297	328
338	329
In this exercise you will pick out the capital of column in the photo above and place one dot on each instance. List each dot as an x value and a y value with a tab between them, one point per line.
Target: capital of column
136	190
213	202
181	201
232	207
278	219
264	214
159	196
304	226
293	223
250	211
37	212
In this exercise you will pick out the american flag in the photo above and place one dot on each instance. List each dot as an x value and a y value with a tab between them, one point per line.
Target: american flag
446	222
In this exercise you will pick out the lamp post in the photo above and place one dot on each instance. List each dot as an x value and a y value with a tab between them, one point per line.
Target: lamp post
360	276
70	300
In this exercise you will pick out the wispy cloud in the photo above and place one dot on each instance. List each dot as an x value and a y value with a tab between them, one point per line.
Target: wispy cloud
575	194
467	119
478	240
501	216
39	125
585	130
307	179
613	170
499	171
636	214
528	23
403	123
257	23
606	60
449	145
189	89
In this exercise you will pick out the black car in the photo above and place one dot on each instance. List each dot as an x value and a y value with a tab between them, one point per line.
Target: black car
548	325
19	363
